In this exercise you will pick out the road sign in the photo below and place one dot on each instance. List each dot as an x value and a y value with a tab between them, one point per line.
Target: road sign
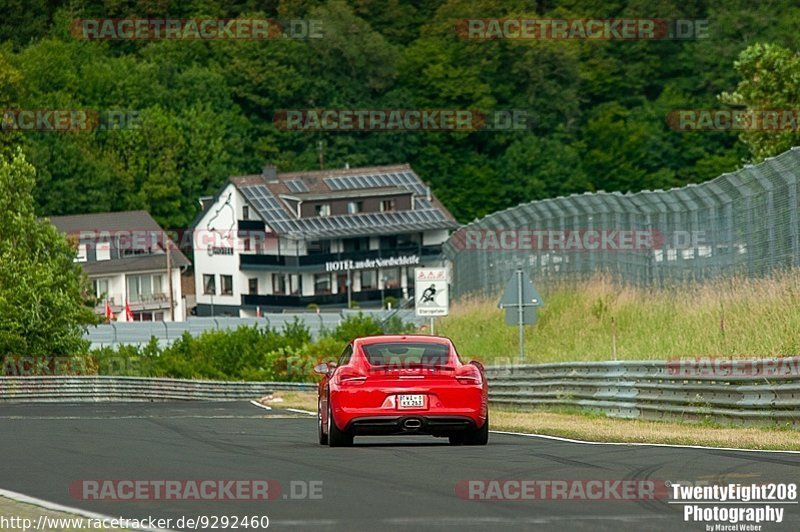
526	293
431	291
520	300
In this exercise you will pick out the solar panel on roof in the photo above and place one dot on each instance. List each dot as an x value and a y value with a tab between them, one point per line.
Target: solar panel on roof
296	185
276	216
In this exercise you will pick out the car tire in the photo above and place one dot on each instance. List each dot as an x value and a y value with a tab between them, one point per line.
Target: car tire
336	437
479	436
323	438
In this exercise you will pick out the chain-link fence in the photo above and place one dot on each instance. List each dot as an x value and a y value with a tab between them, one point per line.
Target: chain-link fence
743	223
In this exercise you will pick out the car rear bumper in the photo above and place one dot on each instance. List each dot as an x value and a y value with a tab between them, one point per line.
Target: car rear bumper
436	425
449	409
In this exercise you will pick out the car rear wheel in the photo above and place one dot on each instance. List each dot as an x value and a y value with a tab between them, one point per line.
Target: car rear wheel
474	437
336	437
323	438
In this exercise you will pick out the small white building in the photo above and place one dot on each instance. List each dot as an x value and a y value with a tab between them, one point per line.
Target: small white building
326	238
124	254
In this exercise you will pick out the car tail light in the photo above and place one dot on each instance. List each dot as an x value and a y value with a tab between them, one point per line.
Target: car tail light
348	376
469	374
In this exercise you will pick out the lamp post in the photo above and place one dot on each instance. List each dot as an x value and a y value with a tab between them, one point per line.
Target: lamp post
349	290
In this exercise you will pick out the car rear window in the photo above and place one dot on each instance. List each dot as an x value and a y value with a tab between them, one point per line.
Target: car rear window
407	353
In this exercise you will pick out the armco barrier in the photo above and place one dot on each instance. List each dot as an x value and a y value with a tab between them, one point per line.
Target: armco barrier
100	389
763	391
759	391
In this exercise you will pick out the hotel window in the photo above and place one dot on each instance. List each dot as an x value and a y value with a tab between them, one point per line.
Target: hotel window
103	251
387	205
158	281
226	285
100	288
318	246
369	279
140	288
252	285
209	284
354	207
245	212
388	242
81	257
355	244
278	283
324	209
391	278
322	283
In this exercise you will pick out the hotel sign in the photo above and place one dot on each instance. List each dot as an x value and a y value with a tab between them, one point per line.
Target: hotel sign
366	264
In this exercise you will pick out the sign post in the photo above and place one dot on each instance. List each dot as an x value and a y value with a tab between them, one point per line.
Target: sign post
431	293
520	300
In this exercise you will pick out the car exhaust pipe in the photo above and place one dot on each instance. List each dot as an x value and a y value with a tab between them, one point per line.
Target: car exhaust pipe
412	424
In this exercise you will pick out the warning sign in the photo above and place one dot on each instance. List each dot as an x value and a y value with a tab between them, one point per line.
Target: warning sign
431	291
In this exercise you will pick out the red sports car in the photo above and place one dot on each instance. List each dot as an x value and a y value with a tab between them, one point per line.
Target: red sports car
385	385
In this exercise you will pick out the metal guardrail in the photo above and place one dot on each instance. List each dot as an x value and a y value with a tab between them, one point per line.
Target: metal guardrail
740	391
730	391
134	389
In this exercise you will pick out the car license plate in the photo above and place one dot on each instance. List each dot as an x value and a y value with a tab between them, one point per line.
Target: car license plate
412	401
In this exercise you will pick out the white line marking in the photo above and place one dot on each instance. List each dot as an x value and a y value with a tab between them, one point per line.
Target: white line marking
19	497
297	410
429	522
558	438
259	405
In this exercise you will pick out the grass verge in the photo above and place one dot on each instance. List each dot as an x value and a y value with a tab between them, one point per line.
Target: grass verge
590	426
728	317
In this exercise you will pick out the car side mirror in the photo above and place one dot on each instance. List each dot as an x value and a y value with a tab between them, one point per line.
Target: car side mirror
324	368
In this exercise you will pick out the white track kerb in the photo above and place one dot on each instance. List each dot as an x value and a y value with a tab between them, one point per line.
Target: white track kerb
636	444
259	405
19	497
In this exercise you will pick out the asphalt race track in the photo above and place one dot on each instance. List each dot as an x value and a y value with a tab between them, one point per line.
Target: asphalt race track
406	483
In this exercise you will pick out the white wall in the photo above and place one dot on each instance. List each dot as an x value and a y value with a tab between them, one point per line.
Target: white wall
218	228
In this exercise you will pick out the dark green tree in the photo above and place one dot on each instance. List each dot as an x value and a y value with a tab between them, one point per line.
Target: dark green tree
43	308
